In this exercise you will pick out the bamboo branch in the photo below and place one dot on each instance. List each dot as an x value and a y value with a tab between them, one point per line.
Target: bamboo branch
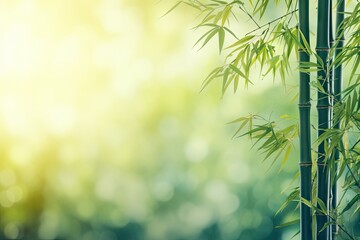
249	15
271	22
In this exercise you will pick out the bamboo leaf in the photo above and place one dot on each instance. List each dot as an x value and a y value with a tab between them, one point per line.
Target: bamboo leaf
225	79
286	157
172	8
306	46
221	38
354	200
217	17
242	41
236	83
322	206
355	67
241	127
225	14
326	225
292	196
207	18
297	233
308	67
296	221
212	75
220	2
240	119
231	32
203	36
318	85
212	33
307	203
235	69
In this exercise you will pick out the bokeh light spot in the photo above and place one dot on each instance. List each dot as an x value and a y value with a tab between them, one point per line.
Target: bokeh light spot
196	150
7	177
163	191
11	231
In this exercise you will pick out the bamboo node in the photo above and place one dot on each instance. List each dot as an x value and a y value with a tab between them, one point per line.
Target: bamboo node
322	164
322	49
304	105
302	50
305	164
323	106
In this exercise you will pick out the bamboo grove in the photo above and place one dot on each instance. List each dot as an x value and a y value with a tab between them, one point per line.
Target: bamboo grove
329	152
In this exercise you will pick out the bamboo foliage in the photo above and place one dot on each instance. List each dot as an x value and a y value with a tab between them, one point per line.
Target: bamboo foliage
270	48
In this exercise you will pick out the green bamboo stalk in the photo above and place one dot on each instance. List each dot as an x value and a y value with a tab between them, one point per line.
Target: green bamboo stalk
331	99
323	106
331	77
305	136
340	9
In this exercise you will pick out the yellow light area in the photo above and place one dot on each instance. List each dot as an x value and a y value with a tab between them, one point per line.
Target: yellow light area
61	61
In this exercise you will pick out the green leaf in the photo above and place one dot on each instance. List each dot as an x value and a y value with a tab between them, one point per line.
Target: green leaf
354	200
355	67
326	225
307	203
317	85
172	8
235	69
203	36
297	233
225	79
231	32
207	18
212	75
296	221
286	157
221	38
236	83
214	31
308	67
292	196
243	124
242	41
306	46
225	14
220	2
217	17
322	206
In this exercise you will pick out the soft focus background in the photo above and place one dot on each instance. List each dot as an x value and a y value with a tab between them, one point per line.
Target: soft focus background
104	133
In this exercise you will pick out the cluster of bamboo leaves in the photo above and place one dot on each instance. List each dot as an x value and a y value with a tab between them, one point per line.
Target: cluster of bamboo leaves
270	48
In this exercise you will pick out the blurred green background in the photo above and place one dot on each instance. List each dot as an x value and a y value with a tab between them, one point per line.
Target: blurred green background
106	135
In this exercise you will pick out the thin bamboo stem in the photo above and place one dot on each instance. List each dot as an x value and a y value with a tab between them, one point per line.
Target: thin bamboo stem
340	9
331	100
305	136
323	107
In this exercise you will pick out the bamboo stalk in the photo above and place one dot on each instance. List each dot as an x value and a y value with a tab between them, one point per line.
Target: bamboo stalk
323	107
331	76
340	9
305	136
331	100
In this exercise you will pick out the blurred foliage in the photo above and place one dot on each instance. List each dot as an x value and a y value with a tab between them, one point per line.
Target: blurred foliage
104	134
